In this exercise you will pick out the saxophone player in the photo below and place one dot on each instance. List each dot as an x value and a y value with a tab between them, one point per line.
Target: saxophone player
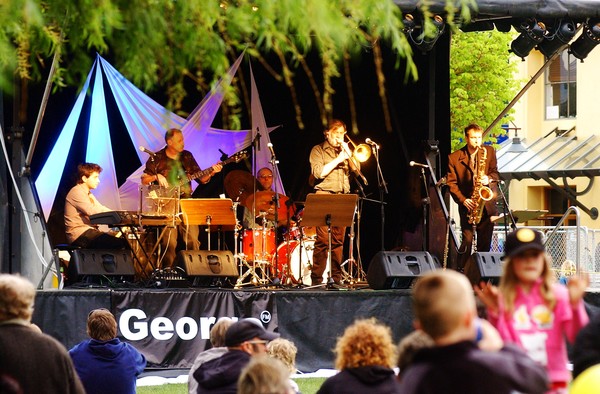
470	168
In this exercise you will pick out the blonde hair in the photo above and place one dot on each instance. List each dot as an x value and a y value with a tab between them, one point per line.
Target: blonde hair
441	299
285	351
264	375
509	282
364	343
17	295
217	332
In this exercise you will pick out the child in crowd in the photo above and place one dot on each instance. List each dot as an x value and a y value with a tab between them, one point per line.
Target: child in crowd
530	309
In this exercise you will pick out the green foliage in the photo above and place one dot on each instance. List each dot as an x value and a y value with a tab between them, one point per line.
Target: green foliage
482	81
159	44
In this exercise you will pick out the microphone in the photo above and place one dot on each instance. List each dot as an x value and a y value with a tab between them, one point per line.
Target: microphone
414	163
147	151
371	142
270	146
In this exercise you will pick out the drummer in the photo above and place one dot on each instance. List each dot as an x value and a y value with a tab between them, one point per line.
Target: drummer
265	183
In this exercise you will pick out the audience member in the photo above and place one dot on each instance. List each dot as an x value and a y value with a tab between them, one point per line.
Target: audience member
586	348
264	375
285	351
533	311
35	362
469	356
103	362
409	345
365	356
567	270
243	339
217	340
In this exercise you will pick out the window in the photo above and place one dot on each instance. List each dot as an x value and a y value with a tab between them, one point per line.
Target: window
561	87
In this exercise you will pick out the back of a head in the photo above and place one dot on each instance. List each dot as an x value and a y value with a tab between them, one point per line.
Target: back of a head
217	332
365	343
264	375
17	295
101	325
441	300
411	344
285	351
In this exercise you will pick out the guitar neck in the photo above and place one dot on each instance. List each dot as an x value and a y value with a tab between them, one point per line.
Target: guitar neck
208	171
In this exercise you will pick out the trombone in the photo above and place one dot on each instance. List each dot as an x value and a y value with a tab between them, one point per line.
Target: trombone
361	152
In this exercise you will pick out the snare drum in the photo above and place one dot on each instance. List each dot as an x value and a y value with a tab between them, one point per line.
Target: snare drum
298	255
262	247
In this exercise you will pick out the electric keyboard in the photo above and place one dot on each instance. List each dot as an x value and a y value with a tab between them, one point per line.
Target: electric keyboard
116	218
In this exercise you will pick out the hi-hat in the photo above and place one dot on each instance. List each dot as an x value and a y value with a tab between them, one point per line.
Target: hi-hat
240	184
265	202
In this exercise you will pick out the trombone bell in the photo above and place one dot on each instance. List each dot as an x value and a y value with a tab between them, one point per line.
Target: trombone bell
362	153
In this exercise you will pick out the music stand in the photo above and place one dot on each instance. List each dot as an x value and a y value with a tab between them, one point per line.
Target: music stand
216	213
329	210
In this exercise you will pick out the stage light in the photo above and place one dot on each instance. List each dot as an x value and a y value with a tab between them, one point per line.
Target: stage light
409	23
532	34
590	37
560	34
425	44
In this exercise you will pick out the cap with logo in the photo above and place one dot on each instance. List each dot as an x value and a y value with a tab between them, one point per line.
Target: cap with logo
522	240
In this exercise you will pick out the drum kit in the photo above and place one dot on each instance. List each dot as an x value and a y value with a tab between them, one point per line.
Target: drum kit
262	260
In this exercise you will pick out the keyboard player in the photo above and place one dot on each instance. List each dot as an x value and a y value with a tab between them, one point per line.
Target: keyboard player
80	204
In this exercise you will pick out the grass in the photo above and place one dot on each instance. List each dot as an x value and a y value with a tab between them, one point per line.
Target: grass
306	385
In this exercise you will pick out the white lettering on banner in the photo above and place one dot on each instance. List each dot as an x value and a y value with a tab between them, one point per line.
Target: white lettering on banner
161	328
133	328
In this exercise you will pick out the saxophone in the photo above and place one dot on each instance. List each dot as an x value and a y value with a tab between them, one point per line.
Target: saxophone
481	194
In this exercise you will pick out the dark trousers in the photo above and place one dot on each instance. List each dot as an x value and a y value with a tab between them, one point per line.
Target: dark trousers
485	230
321	251
96	239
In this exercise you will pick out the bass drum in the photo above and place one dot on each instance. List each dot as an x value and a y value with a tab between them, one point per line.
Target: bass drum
298	256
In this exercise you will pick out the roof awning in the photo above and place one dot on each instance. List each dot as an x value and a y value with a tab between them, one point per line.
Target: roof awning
551	156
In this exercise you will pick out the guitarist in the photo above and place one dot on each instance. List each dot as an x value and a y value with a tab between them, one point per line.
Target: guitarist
170	167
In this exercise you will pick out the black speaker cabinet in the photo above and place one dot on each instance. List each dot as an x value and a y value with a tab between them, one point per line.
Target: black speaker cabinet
398	270
484	266
206	265
116	263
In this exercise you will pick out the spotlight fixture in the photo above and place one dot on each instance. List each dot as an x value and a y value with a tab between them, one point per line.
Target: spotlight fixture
590	37
558	35
424	43
532	34
409	23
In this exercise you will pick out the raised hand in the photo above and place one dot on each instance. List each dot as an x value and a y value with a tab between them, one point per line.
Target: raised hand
488	294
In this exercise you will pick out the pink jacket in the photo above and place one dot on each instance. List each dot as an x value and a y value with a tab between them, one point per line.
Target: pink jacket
541	331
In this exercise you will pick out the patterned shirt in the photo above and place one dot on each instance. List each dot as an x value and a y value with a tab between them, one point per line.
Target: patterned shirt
177	171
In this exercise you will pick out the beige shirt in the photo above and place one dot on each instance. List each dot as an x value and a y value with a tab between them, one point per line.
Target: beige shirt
337	181
79	205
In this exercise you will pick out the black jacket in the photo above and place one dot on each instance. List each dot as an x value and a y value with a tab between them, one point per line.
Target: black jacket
370	379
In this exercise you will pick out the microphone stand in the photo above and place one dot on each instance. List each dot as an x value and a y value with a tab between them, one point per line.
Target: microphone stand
382	184
507	211
425	201
273	161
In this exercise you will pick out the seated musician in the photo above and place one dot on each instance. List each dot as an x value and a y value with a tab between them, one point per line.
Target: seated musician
79	205
265	183
171	167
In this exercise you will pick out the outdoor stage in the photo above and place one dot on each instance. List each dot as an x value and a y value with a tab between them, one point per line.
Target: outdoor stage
171	326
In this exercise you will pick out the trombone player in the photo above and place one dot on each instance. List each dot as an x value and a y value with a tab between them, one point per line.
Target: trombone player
331	162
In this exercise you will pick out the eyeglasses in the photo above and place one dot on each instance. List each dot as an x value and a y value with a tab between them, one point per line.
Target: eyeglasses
257	342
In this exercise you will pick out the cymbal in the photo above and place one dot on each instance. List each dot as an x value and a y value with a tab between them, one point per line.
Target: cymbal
264	202
240	184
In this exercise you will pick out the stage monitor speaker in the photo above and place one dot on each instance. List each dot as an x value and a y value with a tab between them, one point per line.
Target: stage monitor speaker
208	267
95	264
398	270
484	266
